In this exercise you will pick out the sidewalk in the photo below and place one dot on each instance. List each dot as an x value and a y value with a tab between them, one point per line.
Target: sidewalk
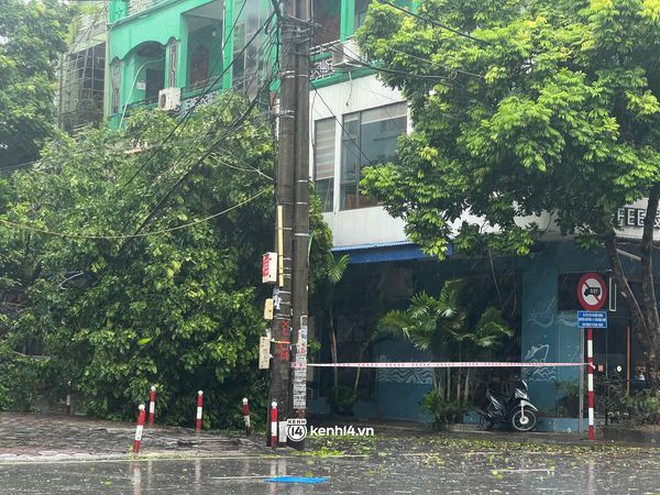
34	436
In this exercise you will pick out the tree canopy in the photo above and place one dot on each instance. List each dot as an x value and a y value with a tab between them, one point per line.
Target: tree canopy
523	108
32	36
139	252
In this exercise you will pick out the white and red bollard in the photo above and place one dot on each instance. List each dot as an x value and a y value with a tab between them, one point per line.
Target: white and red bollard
68	399
138	431
152	405
200	405
246	417
590	381
273	425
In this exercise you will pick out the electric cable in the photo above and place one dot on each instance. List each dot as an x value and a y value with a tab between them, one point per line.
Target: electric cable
434	22
238	122
74	235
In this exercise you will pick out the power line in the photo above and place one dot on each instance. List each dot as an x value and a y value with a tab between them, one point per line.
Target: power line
426	60
233	95
74	235
236	126
434	23
359	62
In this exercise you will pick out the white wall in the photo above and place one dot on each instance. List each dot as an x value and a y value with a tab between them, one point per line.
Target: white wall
364	225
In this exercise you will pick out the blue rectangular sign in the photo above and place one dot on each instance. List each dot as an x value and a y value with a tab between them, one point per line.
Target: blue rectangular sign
592	319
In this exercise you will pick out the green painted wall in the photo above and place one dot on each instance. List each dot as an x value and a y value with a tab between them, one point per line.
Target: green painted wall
166	21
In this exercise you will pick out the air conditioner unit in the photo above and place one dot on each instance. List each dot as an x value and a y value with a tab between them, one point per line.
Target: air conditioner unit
345	54
169	99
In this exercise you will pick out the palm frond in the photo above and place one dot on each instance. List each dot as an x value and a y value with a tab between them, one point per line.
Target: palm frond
335	268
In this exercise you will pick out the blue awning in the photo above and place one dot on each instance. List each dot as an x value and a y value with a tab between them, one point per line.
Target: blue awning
383	252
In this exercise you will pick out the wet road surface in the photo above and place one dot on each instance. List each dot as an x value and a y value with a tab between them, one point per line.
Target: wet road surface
444	470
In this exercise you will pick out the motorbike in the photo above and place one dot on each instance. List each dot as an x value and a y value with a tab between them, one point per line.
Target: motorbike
516	410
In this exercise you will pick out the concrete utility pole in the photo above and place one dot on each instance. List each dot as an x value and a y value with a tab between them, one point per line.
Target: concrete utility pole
289	331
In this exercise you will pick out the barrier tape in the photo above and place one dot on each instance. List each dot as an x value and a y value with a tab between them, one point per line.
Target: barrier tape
462	364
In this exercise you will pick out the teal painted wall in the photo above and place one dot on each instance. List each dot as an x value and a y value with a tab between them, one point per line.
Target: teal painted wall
550	335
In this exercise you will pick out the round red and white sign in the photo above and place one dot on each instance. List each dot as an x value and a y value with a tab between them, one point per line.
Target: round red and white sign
591	291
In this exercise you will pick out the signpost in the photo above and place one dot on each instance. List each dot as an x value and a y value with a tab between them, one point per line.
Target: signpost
592	294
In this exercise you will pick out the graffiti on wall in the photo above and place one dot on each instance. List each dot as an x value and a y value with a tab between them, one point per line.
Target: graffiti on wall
539	354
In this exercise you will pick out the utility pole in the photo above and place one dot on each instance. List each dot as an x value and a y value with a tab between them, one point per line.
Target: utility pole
289	330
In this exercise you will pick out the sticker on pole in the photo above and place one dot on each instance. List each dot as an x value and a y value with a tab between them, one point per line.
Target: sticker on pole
592	291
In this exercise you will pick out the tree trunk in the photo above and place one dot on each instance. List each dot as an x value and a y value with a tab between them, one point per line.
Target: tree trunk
358	371
645	320
467	387
648	287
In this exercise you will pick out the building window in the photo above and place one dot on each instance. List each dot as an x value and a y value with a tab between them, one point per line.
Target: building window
199	66
116	85
327	20
324	160
361	7
173	65
368	138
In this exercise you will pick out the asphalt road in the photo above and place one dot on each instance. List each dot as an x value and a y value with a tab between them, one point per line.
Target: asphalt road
446	470
59	455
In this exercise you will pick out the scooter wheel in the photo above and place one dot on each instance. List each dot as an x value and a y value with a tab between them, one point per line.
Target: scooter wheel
526	422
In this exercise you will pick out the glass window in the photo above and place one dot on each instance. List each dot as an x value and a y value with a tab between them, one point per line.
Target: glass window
361	7
173	50
116	85
368	138
327	20
324	160
199	67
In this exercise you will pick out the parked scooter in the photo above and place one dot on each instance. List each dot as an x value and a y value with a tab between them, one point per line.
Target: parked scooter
516	411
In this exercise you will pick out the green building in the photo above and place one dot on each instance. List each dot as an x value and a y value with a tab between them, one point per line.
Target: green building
171	54
179	49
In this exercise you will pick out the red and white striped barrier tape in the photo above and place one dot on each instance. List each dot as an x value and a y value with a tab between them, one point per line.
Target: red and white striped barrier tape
461	364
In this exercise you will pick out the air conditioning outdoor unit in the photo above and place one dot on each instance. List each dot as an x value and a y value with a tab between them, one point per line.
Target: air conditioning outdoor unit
169	99
345	54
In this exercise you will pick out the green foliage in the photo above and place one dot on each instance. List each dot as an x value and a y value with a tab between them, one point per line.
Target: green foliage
179	306
444	411
319	254
20	378
342	400
644	408
32	38
636	408
553	106
440	326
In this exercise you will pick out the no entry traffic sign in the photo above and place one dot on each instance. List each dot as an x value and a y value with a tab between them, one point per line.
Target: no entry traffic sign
592	291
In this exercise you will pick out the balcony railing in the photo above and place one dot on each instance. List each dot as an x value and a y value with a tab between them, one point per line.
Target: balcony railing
322	60
135	6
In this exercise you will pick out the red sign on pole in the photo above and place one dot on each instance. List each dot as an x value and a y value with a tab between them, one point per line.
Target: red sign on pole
269	268
592	291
